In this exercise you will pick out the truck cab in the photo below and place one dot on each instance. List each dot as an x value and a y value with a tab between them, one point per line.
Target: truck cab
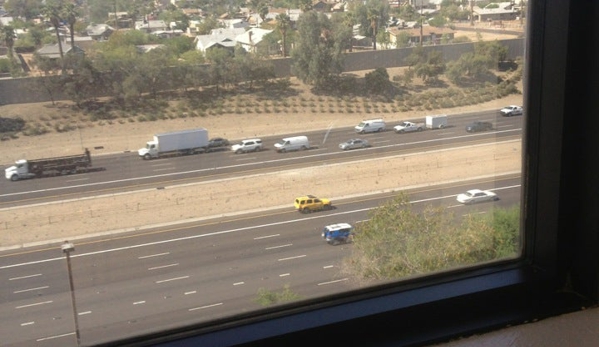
18	171
150	151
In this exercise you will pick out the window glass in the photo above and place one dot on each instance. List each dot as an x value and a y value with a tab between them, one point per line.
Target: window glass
127	242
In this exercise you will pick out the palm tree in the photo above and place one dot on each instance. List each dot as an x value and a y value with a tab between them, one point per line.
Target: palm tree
373	17
283	24
8	36
69	13
52	11
349	19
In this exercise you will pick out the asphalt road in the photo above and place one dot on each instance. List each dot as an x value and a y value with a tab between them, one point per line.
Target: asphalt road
195	273
126	171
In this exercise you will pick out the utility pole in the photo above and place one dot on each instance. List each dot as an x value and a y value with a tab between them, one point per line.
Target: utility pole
67	247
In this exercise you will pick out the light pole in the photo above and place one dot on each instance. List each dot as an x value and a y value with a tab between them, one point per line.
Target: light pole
67	247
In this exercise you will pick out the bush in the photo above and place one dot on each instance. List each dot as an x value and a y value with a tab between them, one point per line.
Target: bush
35	130
11	124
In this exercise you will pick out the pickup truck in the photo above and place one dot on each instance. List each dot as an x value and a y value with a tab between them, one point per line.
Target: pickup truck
511	110
406	126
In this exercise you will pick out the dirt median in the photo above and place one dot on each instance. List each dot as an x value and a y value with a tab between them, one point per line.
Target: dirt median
117	213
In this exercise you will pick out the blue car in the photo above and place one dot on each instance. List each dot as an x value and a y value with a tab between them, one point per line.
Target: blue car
335	234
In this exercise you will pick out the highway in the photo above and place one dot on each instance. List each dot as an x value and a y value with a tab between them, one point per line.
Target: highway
197	272
126	171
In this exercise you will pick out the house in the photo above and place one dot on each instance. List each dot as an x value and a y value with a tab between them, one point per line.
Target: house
251	39
120	20
234	23
361	41
151	25
320	6
430	35
99	32
339	7
52	51
167	34
6	21
222	38
496	12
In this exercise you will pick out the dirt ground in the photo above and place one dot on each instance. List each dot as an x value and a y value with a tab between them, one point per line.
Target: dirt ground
123	212
117	213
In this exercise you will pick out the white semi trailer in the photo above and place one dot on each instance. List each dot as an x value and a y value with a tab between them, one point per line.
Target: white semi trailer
182	142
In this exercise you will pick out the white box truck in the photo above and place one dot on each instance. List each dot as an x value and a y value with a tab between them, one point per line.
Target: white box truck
436	122
182	142
294	143
370	126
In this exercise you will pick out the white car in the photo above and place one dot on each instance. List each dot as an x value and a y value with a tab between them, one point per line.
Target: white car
512	110
250	145
354	143
476	195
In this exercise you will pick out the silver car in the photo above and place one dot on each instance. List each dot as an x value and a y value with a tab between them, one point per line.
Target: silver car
353	144
476	195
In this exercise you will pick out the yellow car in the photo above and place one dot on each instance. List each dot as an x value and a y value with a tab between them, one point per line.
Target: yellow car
310	203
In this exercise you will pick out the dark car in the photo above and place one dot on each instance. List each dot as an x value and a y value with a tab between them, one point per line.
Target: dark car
479	126
217	143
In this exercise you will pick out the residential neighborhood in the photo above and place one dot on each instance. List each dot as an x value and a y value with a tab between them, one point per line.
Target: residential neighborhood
31	28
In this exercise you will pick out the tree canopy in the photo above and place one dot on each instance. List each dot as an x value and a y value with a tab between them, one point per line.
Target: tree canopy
316	56
399	240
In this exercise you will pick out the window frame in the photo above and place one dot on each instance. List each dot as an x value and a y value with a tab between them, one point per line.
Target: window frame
559	269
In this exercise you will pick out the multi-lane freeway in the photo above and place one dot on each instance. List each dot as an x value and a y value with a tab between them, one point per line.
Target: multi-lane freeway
193	273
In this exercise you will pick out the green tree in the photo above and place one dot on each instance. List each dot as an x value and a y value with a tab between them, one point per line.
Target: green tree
177	16
49	82
437	21
207	24
430	69
377	81
253	68
83	81
316	57
7	35
349	19
179	45
398	241
221	62
27	9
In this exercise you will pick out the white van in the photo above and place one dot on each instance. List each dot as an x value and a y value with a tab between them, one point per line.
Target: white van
295	143
370	126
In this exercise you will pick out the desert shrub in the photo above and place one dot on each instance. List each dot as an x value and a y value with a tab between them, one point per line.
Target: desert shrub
63	128
35	130
11	124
